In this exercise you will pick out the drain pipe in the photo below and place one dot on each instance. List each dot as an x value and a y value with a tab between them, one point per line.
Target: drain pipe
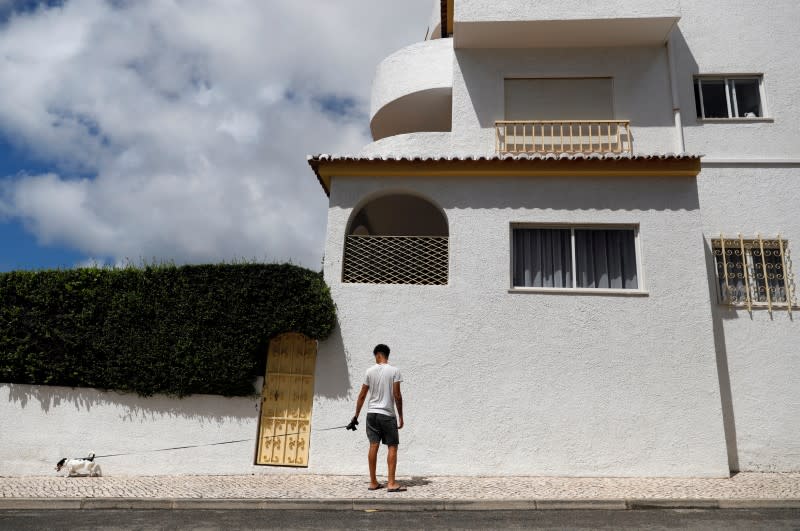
676	106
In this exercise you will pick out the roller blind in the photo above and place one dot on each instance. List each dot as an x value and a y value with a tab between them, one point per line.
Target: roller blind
559	99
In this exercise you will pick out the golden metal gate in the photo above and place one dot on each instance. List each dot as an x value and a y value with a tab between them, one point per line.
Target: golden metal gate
286	400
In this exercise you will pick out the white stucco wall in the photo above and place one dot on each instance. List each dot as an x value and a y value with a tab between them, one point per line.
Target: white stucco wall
42	424
420	66
413	84
756	356
761	352
739	37
411	145
556	23
716	37
524	383
515	10
435	22
640	78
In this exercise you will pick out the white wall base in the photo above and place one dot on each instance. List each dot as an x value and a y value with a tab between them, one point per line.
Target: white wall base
42	424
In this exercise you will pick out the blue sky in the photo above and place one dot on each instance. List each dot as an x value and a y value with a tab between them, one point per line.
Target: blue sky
21	251
173	131
20	248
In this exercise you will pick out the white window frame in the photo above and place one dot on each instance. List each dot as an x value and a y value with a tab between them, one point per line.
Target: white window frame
640	291
730	96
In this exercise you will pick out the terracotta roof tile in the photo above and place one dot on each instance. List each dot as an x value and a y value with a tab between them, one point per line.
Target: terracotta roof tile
690	161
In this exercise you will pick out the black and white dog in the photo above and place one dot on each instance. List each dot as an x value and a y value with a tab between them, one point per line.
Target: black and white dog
80	466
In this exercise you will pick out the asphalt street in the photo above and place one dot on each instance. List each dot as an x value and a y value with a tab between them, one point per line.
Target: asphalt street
108	519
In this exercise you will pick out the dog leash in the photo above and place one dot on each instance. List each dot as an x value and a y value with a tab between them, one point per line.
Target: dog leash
218	443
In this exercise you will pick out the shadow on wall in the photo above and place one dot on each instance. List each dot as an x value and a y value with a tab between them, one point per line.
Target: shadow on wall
554	193
332	378
723	372
134	408
686	67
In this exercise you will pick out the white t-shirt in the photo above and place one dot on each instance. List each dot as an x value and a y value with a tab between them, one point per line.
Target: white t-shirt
380	379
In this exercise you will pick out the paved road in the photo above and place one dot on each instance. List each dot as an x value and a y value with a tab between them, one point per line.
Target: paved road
782	519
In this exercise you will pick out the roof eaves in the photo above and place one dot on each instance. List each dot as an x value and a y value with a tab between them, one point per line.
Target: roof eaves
549	159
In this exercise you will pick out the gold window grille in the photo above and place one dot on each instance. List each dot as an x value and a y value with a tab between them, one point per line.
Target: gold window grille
395	260
754	272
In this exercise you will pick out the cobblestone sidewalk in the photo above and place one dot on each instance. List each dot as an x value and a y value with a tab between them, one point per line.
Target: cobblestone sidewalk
746	486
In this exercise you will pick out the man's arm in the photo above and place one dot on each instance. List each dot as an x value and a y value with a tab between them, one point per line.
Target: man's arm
362	396
398	403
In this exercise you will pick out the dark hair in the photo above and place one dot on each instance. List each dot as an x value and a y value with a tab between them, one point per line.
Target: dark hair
383	349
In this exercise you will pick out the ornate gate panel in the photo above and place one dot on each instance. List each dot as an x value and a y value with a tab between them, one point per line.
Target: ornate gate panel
286	401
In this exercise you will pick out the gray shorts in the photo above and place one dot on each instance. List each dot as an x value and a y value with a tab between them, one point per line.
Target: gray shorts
382	428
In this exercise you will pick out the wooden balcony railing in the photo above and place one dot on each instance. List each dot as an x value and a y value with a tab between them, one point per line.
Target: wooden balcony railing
567	136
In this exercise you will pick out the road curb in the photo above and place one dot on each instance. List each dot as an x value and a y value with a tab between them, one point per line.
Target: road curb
361	504
644	503
40	503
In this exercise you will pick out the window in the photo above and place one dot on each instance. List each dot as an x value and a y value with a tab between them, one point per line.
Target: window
753	272
574	258
729	97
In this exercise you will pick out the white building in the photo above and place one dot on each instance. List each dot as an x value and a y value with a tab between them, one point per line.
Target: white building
574	230
568	286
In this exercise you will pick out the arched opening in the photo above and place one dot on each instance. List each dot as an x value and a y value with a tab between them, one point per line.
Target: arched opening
397	239
399	215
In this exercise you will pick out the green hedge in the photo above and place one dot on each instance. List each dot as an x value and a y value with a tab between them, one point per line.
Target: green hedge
156	329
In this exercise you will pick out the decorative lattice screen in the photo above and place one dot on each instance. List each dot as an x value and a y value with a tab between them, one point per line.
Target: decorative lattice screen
395	260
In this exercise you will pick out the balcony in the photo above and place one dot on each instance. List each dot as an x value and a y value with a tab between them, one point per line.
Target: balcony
555	136
413	90
563	23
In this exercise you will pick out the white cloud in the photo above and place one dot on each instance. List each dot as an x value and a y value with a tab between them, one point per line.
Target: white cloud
92	262
179	130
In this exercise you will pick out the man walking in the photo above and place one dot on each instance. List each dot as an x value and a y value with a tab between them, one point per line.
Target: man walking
382	382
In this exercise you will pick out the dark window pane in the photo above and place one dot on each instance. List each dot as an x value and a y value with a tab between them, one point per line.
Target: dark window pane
714	101
697	99
606	259
732	284
770	279
748	98
542	258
